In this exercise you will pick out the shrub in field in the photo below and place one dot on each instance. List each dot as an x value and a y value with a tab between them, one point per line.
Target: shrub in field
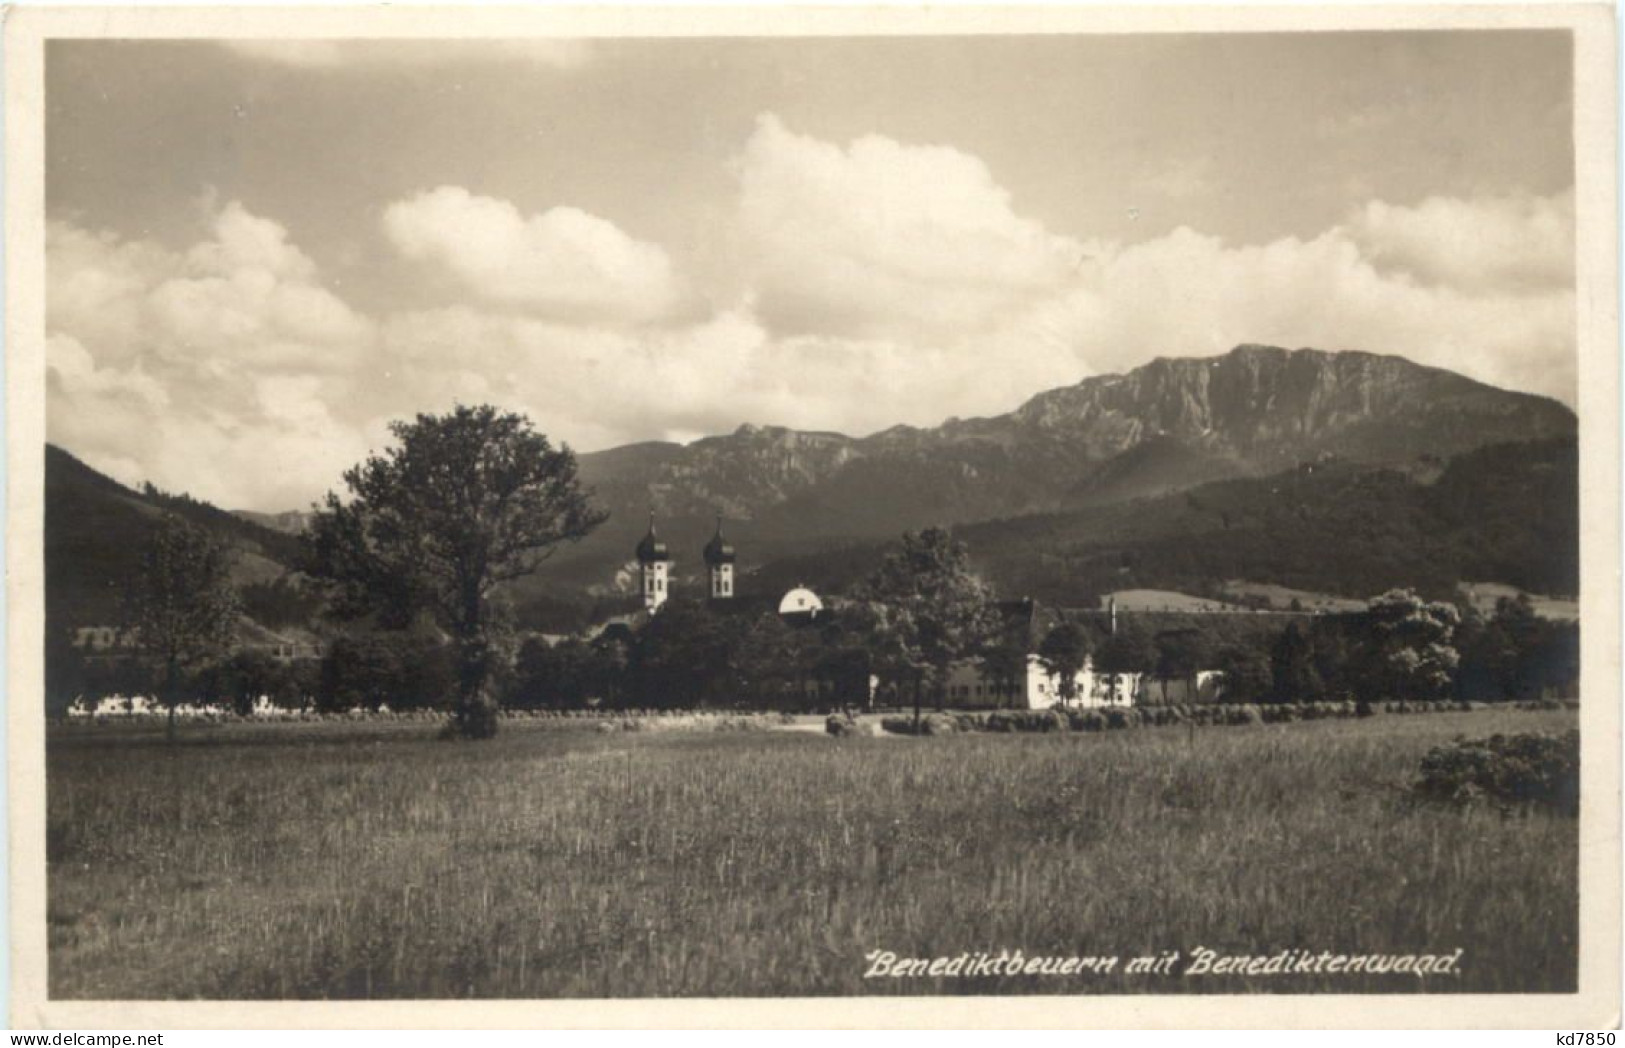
1523	770
1087	720
841	725
938	724
1040	720
1367	709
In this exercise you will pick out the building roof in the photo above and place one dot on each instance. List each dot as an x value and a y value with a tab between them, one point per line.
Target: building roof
617	627
800	601
652	549
719	550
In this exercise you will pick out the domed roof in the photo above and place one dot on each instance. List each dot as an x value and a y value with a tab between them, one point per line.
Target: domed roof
719	550
800	601
651	548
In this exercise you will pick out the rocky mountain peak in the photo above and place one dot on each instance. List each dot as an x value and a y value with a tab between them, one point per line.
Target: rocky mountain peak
1164	426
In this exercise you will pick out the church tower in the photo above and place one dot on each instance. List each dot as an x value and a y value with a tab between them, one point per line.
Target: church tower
719	562
654	568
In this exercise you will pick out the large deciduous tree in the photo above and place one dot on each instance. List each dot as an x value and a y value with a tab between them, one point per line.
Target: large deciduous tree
463	503
1181	655
1246	673
935	608
183	607
1126	652
1292	668
1407	651
1004	663
1064	651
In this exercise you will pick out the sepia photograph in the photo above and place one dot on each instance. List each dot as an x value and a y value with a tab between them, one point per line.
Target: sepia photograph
974	511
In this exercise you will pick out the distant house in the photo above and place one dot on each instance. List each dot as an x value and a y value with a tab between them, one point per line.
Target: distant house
284	647
103	640
971	685
801	606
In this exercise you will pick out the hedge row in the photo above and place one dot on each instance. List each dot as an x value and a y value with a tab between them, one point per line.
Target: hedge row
673	717
699	722
1113	718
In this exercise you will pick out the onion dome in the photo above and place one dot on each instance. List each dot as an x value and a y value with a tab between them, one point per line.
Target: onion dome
719	550
651	549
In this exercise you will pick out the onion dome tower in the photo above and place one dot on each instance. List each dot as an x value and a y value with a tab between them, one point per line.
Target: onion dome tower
719	563
654	568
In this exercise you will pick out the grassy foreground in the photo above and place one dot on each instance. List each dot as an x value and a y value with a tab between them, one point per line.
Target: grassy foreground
266	861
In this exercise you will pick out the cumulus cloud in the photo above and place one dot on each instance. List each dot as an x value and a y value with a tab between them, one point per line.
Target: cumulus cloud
913	263
880	238
882	283
71	367
189	362
244	296
564	262
601	387
369	54
1188	294
1513	243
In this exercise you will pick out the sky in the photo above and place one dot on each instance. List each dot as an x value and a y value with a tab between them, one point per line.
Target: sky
260	253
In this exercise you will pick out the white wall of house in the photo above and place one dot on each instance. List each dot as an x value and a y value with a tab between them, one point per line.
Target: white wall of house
1098	690
968	687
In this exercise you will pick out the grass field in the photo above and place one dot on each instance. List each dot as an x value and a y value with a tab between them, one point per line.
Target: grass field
268	861
1484	595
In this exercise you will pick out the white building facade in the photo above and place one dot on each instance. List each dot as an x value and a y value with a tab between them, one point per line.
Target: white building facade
969	685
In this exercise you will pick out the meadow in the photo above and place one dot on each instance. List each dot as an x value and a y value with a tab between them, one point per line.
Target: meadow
376	861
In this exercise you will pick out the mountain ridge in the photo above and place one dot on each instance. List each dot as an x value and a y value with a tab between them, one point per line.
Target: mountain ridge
1170	425
1167	425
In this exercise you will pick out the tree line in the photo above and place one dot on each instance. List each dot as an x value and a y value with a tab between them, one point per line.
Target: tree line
410	565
